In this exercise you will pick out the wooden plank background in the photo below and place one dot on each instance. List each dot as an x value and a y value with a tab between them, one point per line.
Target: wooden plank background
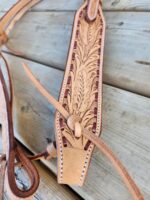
47	5
43	36
123	37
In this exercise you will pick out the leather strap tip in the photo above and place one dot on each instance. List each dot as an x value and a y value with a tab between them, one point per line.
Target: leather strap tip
3	38
51	151
92	10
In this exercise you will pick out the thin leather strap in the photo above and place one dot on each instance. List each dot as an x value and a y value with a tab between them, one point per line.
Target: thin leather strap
93	138
44	92
3	38
14	151
116	163
6	24
8	21
14	14
9	79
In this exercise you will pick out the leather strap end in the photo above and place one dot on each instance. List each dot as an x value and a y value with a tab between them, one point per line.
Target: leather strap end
92	9
3	38
51	150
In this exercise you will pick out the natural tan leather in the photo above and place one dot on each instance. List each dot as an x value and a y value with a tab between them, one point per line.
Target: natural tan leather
44	92
3	38
10	149
92	10
73	154
137	195
14	14
81	92
71	151
76	159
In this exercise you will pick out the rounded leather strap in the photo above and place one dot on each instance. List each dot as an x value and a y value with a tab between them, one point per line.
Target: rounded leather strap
9	80
29	168
8	20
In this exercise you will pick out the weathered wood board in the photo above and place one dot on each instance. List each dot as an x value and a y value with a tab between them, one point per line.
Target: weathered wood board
126	125
126	58
74	4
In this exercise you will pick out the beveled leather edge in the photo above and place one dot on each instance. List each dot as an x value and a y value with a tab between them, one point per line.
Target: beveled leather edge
10	18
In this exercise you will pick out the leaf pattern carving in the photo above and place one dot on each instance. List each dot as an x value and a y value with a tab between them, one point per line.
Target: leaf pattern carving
82	90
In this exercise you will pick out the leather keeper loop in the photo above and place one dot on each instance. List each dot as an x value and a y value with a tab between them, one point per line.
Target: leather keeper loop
3	38
51	151
92	9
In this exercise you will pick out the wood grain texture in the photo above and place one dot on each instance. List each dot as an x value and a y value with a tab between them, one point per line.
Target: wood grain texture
74	4
126	125
126	58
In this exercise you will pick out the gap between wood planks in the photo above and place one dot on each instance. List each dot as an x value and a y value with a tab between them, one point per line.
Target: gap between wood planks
54	67
126	43
105	10
70	11
108	5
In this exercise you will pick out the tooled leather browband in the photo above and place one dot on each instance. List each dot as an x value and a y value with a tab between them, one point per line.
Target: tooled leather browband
92	10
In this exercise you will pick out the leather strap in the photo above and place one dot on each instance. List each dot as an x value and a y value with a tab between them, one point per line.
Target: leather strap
11	17
92	10
93	138
137	195
44	92
8	21
14	151
11	150
3	38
